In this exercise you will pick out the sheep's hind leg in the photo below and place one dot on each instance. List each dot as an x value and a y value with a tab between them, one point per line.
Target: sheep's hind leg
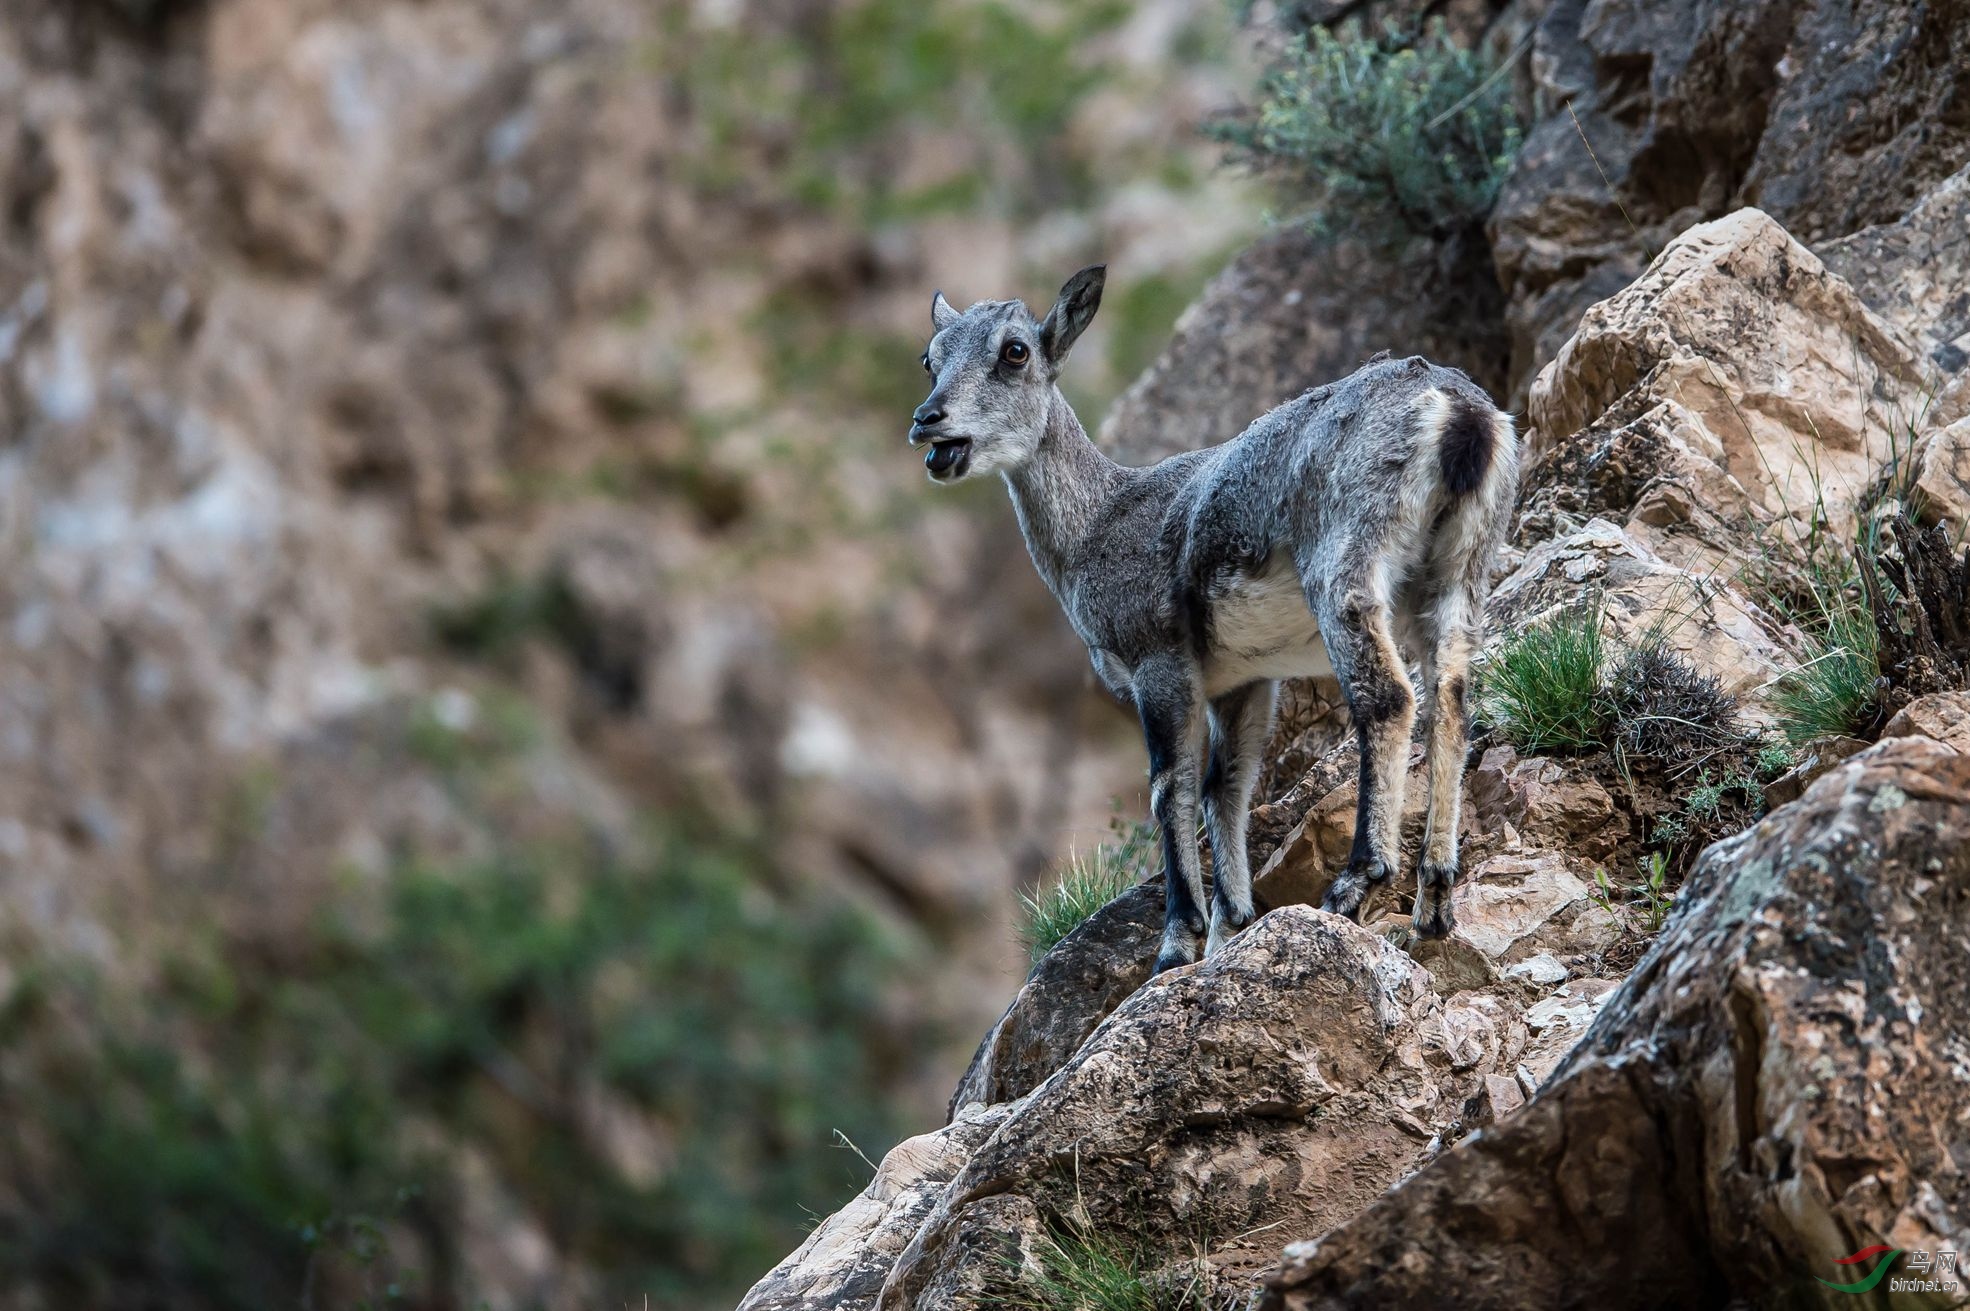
1359	641
1457	636
1168	697
1240	724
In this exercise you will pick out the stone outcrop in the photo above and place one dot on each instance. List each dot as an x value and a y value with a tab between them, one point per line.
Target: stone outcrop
1282	1084
1070	991
1831	117
1767	385
1778	1085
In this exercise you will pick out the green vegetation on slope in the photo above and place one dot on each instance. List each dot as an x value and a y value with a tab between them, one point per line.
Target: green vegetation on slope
1410	131
657	1055
1089	881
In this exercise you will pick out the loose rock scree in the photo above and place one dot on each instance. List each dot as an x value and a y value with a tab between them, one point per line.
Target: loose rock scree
1352	529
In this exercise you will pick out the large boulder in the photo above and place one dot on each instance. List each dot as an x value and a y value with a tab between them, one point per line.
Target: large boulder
1774	391
1780	1084
1283	1084
1072	989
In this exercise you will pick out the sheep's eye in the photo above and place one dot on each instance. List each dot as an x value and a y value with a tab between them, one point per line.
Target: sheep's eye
1013	353
926	361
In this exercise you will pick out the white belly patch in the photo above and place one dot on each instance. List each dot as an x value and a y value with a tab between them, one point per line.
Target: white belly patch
1262	629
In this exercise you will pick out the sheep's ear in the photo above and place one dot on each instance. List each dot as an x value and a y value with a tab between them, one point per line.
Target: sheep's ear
1072	313
942	313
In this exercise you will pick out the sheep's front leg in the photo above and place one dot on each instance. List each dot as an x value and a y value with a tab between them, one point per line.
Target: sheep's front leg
1168	696
1240	723
1383	706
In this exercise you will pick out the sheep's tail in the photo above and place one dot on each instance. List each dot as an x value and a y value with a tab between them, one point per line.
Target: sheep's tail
1469	435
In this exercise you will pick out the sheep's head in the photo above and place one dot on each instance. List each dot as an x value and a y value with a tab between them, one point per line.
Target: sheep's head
992	370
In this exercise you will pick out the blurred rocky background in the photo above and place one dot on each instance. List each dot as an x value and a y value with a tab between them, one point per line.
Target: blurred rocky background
510	785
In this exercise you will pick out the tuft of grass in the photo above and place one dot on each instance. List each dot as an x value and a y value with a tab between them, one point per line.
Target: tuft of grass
1543	691
1836	688
1409	129
1089	881
1076	1268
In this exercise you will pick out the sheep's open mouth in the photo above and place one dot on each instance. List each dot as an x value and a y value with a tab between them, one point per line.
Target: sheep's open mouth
948	458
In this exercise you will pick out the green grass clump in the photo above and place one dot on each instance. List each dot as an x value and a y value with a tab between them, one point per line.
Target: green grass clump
1836	688
1076	1268
1405	128
1542	691
1089	881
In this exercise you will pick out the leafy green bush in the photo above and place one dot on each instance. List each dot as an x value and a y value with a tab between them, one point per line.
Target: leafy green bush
1542	690
1090	881
1382	129
650	1059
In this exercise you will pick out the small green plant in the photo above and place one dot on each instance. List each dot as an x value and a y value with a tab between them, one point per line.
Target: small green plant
1410	128
1773	759
1542	691
1653	893
1650	893
1089	881
1076	1268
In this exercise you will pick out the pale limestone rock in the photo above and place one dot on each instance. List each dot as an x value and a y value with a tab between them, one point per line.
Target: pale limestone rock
1780	374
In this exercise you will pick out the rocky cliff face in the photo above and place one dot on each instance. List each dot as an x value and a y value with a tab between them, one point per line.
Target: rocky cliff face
1712	1086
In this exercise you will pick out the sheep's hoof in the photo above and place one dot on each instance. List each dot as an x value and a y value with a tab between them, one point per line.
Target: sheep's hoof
1434	917
1350	888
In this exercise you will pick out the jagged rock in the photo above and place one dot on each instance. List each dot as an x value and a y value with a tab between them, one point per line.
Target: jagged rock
1914	271
1511	907
1545	802
1071	990
1942	479
1293	311
1825	114
1283	1083
1941	717
1704	619
1751	356
1781	1082
842	1264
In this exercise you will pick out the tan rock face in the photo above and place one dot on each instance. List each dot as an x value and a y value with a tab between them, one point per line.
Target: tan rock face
1942	478
1942	717
1704	619
1779	1084
1778	372
843	1263
1283	1080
